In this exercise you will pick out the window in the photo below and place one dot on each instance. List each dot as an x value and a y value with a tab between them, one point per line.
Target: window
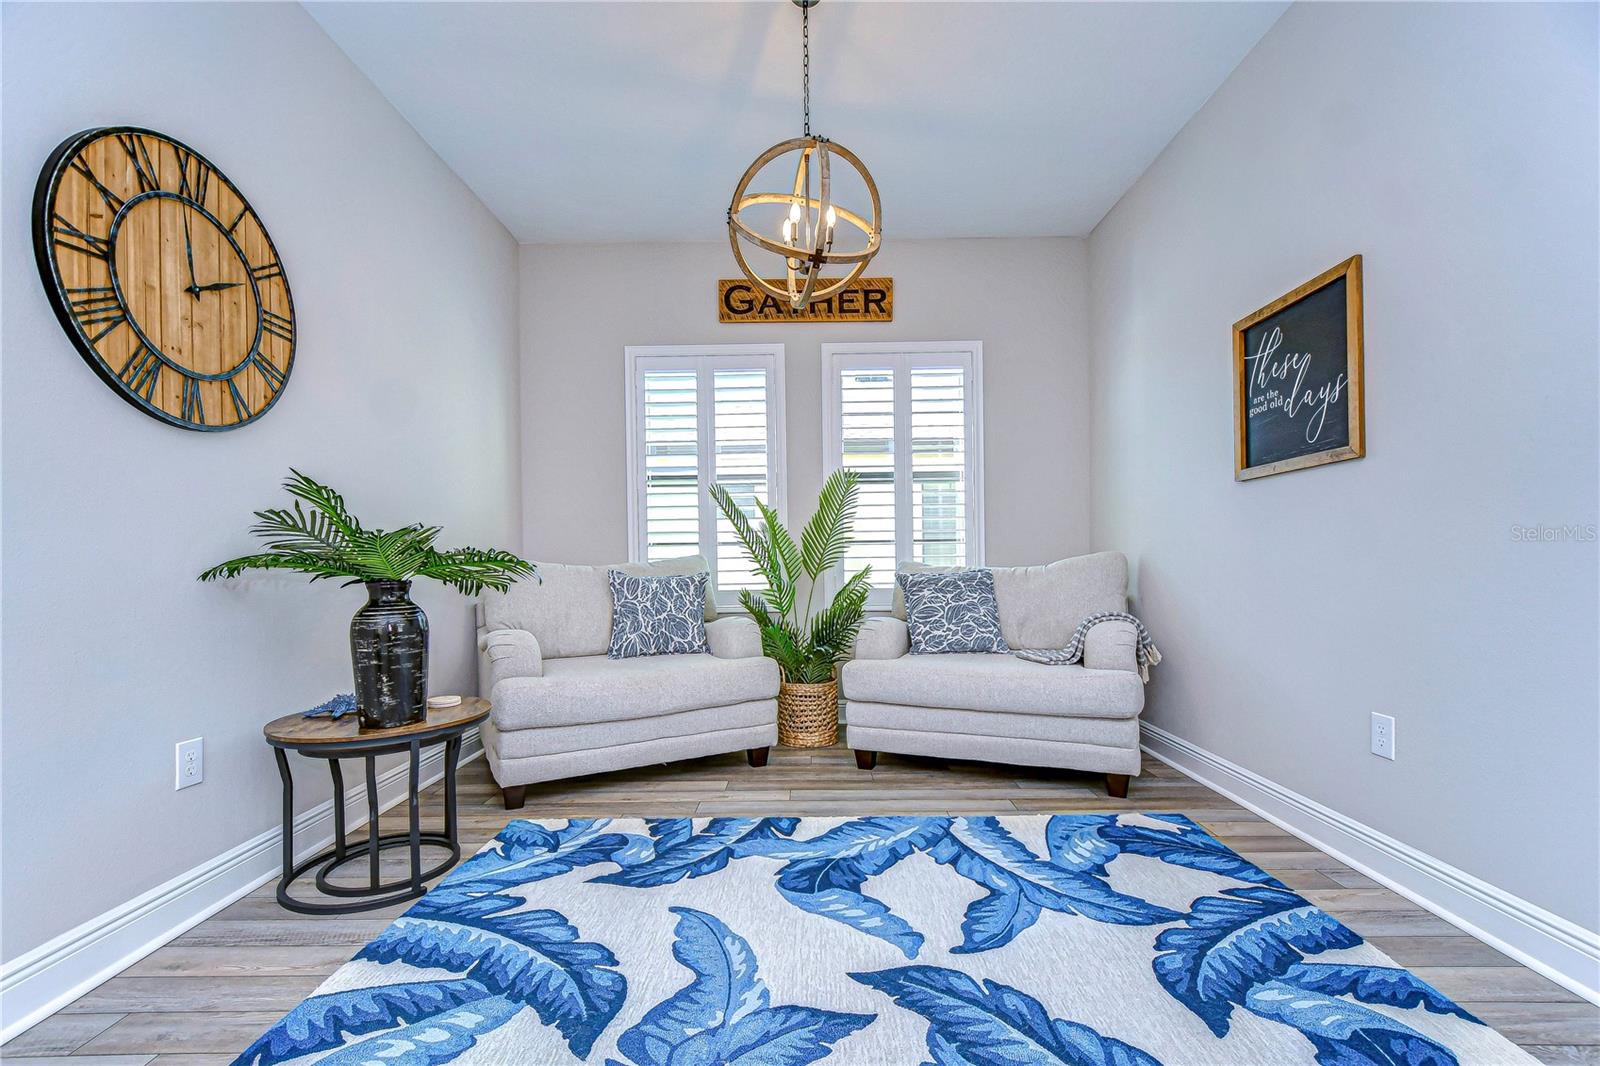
698	415
908	419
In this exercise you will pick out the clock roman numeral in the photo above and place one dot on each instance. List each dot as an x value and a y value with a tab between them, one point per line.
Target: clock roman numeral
112	200
269	371
144	168
141	372
194	189
69	236
240	408
277	325
243	211
93	301
194	408
266	270
97	310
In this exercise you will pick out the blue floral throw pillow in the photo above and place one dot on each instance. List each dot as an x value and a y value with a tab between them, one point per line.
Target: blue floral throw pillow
657	615
952	612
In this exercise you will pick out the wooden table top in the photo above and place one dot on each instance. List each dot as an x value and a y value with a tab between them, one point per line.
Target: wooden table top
296	730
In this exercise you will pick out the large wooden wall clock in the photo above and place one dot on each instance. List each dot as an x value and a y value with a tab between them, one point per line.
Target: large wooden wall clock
164	278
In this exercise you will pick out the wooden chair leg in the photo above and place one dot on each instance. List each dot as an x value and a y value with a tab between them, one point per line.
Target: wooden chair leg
756	756
514	795
866	760
1117	786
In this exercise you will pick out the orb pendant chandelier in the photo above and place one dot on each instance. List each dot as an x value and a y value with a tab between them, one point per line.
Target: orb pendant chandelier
805	237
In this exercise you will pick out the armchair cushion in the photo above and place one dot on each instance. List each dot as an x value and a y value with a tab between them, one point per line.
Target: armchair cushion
734	637
594	688
569	608
883	637
997	683
1040	606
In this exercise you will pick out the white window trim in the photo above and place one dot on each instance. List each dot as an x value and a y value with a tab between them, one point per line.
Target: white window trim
904	356
637	360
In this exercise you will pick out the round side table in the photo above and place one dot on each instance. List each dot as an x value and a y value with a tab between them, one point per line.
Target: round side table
342	738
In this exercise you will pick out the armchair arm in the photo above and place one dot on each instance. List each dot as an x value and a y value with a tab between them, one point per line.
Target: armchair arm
1111	645
509	653
734	637
883	637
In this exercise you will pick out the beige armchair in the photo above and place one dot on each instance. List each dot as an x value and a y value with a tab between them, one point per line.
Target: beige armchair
561	708
998	708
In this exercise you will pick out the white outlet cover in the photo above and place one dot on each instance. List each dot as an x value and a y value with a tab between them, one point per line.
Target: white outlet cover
1383	735
191	763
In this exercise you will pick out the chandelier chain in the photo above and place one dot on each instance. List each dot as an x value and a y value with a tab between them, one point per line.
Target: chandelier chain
805	62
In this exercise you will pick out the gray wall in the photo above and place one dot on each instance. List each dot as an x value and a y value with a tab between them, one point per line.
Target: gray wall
1453	146
1024	299
403	395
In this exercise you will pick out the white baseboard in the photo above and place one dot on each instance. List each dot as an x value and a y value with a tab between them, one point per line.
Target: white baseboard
1559	949
36	984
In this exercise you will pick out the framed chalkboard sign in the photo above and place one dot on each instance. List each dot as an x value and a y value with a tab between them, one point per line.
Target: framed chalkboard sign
1297	378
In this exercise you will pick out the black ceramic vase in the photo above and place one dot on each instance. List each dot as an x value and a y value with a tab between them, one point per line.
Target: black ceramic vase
389	650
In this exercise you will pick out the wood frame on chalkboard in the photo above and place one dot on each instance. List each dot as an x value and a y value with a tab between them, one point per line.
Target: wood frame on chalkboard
1350	270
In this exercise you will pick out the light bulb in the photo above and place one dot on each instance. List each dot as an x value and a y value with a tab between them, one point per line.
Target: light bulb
788	231
833	216
794	212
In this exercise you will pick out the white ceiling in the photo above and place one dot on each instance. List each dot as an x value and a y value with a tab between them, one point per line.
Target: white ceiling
578	122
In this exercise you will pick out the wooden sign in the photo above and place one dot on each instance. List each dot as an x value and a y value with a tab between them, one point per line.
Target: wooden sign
863	300
1297	378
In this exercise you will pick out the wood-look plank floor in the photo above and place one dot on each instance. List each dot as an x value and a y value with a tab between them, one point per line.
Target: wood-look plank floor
205	996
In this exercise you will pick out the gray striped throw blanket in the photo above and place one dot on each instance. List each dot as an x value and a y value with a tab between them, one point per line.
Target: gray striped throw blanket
1145	649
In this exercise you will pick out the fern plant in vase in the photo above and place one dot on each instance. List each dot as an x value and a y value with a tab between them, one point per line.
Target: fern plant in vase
388	636
807	646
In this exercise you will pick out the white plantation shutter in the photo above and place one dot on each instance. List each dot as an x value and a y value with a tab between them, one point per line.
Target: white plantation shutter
866	424
697	416
938	466
740	435
671	465
908	420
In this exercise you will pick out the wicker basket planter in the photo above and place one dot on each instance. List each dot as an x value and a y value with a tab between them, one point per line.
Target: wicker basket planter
808	715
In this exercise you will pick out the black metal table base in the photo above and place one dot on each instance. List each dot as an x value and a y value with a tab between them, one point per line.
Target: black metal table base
376	892
332	860
367	897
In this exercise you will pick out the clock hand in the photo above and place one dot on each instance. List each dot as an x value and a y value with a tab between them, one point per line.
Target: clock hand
188	248
198	289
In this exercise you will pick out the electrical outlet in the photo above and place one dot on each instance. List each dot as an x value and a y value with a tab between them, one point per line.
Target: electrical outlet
191	762
1383	735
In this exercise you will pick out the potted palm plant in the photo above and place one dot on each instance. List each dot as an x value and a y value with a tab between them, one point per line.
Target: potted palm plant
808	647
388	636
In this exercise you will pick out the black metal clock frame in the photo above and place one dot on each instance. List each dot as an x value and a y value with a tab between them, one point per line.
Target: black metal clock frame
44	196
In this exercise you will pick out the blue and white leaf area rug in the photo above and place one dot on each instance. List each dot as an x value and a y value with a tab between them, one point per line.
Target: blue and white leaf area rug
1094	940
